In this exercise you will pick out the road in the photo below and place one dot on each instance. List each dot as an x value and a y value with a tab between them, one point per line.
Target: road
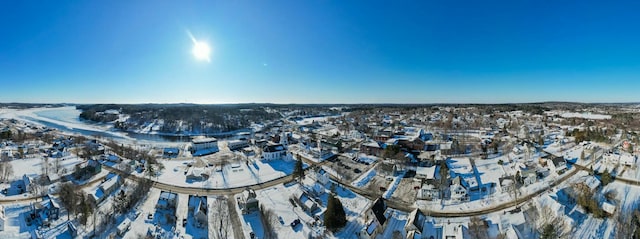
400	205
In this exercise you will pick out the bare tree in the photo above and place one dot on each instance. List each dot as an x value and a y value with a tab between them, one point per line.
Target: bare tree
551	225
6	171
221	223
57	165
267	216
478	229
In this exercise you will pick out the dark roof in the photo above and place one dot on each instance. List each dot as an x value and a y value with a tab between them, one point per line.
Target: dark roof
378	209
274	148
557	160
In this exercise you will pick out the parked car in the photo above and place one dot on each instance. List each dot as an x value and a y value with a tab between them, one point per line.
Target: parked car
295	223
383	189
357	170
150	216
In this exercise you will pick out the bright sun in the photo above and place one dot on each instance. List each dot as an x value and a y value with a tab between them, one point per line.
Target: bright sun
201	50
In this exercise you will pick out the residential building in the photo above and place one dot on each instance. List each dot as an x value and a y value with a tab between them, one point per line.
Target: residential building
371	147
507	184
47	210
415	221
426	172
458	191
248	201
105	189
204	146
199	208
322	176
274	152
428	192
237	144
557	164
167	200
374	220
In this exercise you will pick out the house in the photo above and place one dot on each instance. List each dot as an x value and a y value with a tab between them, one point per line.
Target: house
47	210
608	208
415	221
557	164
628	159
248	201
28	184
167	200
374	220
589	183
371	148
274	152
458	191
248	151
426	172
198	205
105	189
452	231
237	144
322	176
507	184
528	177
428	192
204	146
388	169
306	202
87	169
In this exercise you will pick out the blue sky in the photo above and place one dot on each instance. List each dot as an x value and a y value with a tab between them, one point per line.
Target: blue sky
320	51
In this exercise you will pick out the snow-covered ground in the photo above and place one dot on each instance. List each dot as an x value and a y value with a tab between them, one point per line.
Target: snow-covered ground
586	115
230	176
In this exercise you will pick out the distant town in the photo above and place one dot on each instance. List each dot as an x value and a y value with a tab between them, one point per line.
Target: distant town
365	171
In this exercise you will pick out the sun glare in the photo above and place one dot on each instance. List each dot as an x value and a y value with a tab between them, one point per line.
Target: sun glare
201	50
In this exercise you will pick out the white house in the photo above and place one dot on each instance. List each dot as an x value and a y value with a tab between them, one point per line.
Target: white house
415	221
608	208
167	200
199	204
458	191
426	172
274	152
507	184
452	231
627	159
204	146
322	176
428	192
237	144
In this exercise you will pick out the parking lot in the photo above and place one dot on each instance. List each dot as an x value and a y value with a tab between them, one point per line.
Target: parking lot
349	169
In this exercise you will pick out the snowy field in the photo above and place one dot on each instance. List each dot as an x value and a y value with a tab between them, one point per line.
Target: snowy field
585	116
230	176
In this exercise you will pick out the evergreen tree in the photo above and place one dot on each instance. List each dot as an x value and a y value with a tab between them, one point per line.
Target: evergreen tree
606	178
548	232
298	171
334	216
